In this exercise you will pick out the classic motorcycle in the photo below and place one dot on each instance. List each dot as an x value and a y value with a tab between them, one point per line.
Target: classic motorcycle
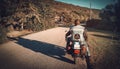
78	49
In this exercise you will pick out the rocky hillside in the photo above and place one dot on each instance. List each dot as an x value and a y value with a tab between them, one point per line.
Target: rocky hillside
36	15
24	14
40	14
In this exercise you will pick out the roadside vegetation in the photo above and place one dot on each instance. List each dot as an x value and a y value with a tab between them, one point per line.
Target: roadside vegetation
104	50
3	35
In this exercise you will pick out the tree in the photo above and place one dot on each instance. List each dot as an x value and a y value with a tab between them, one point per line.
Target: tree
111	14
117	14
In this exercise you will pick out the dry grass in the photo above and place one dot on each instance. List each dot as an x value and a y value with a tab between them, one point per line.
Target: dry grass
14	34
104	50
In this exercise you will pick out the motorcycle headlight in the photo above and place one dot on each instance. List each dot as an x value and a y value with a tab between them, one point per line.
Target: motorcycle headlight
77	36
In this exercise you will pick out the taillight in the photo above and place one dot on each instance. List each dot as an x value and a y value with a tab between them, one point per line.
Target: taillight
77	36
76	51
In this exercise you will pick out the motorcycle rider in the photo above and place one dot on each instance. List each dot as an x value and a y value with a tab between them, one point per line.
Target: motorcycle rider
83	36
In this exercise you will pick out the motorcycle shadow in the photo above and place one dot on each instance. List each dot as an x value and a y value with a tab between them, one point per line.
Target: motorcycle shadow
48	49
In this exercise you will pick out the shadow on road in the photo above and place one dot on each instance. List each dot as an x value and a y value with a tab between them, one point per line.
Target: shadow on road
50	50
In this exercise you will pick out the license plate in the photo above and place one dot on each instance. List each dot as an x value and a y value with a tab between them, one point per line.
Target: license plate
77	45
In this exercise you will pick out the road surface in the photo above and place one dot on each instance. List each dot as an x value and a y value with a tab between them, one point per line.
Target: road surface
41	50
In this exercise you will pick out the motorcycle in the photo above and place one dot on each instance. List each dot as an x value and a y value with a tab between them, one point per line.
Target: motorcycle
78	49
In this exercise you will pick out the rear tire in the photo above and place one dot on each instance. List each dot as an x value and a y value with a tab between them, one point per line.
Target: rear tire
76	60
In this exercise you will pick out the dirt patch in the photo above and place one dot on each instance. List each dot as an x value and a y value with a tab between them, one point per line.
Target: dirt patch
18	33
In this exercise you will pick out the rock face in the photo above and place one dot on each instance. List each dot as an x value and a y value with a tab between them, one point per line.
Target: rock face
40	14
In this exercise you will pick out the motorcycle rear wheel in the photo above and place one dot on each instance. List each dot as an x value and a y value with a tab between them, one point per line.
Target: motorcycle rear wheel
76	60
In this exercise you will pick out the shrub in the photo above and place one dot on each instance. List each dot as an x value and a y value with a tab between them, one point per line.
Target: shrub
3	34
34	26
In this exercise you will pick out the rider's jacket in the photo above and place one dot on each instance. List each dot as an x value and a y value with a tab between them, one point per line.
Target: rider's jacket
78	30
